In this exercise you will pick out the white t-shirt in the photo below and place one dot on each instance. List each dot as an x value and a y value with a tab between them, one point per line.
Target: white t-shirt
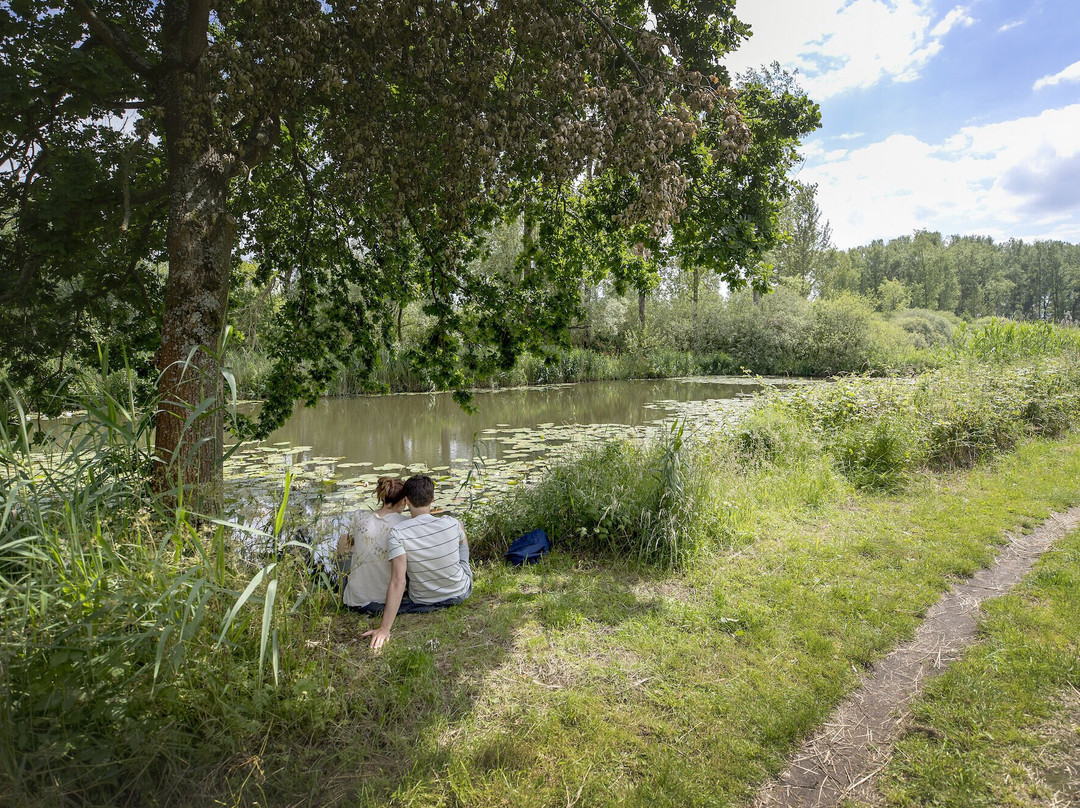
430	544
369	574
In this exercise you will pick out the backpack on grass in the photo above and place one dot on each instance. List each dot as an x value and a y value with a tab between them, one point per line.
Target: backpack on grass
528	549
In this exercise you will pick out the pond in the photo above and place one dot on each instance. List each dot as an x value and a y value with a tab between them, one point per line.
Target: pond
335	451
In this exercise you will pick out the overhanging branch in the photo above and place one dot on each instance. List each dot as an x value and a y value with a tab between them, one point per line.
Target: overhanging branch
116	39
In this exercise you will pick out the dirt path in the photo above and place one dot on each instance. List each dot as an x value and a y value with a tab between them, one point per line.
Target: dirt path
842	759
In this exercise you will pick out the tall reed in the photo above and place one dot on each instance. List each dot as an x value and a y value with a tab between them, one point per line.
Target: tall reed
129	627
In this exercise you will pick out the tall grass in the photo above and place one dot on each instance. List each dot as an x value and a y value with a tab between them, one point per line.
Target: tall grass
130	631
648	502
996	340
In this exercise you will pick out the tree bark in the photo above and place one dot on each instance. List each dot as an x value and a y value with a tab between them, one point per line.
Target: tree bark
189	422
696	276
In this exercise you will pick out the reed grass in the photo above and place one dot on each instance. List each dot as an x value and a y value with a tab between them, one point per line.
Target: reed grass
130	628
651	503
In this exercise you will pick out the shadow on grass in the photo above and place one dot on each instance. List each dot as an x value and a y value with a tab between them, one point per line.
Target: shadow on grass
394	717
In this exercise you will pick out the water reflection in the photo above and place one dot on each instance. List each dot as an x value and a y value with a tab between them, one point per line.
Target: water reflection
432	430
335	451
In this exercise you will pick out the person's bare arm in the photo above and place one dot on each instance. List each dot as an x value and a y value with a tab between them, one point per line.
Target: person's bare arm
394	592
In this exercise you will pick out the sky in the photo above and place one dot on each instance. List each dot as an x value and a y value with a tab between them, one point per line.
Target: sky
960	118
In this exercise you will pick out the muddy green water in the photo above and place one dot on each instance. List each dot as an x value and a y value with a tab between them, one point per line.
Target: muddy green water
334	452
432	430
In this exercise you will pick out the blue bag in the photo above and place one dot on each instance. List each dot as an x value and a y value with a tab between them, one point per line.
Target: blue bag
528	549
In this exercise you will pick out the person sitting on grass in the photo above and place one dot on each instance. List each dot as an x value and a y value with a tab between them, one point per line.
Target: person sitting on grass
365	543
432	551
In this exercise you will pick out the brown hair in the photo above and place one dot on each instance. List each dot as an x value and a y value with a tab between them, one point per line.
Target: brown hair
389	490
420	490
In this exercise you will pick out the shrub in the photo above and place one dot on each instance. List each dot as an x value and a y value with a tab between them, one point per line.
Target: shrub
870	427
876	454
928	329
766	337
971	412
650	503
839	337
773	434
1051	397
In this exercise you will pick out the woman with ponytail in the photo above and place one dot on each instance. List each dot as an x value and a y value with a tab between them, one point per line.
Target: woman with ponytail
369	572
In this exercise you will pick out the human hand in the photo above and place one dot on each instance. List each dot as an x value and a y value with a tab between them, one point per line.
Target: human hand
379	636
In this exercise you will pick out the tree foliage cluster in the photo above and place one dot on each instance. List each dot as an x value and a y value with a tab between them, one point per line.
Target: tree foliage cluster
971	276
359	155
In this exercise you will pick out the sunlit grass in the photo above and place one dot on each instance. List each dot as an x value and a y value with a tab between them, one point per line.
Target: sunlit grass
1001	726
671	662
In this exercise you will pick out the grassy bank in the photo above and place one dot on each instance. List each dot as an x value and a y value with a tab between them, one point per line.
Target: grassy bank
708	603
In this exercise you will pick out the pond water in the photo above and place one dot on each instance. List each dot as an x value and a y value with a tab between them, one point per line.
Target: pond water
336	450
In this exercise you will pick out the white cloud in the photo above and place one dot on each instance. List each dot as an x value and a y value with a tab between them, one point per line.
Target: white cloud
1070	73
958	16
1010	25
1018	178
841	45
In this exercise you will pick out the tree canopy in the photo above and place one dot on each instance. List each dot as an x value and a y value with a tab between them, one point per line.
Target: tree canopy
356	154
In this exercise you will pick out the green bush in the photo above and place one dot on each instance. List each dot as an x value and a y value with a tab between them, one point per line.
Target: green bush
772	434
928	329
870	427
971	412
767	337
876	454
1051	397
840	337
650	503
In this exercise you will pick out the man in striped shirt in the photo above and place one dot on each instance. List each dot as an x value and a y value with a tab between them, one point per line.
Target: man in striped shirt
432	551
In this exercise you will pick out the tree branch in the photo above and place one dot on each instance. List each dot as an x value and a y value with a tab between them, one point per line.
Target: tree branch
618	43
116	39
198	24
260	143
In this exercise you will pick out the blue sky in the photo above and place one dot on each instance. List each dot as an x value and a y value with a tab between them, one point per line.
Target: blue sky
961	118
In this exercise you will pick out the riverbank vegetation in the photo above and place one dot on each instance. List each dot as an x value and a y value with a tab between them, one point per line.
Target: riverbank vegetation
705	606
883	308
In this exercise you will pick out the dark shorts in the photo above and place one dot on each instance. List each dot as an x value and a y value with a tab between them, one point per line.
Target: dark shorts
374	609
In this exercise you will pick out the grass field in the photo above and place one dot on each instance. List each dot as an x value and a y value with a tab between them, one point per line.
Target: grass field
605	684
672	650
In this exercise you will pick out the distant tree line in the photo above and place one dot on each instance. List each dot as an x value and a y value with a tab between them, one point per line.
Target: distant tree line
971	276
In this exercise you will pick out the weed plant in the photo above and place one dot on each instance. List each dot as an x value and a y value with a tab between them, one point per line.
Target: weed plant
650	503
134	643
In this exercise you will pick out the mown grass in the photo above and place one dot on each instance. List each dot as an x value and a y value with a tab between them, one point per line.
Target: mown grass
628	685
1002	726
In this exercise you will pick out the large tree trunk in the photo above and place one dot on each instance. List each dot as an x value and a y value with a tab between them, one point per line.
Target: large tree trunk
189	424
190	433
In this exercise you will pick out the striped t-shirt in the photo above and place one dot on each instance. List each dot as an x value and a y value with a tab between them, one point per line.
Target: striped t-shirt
430	544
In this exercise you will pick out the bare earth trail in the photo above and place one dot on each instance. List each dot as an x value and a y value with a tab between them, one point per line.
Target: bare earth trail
841	760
